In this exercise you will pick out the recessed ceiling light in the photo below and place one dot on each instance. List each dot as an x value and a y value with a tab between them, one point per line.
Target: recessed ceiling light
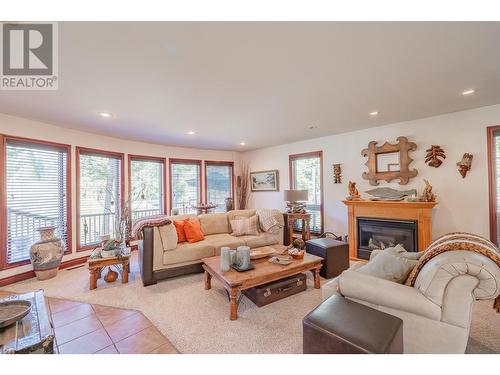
242	143
312	127
374	113
105	114
191	132
468	92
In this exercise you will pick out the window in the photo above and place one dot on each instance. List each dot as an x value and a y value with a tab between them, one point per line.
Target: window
100	194
494	180
219	183
185	185
147	186
37	195
306	174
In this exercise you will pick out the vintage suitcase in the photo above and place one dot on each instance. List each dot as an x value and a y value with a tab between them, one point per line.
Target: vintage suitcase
265	294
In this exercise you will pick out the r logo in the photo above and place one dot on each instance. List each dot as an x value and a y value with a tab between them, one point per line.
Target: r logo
27	49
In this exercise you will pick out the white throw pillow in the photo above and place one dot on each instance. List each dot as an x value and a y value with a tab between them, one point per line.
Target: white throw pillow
243	226
394	264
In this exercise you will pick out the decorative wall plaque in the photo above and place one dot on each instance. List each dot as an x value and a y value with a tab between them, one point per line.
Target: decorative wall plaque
389	161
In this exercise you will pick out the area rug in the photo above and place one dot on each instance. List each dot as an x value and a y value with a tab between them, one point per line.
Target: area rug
196	320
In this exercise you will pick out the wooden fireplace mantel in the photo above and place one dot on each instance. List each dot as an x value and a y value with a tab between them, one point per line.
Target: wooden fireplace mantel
421	212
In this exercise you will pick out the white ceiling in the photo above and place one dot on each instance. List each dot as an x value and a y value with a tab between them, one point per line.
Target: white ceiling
262	83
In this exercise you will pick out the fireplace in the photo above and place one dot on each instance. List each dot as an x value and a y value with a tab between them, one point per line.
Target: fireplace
374	233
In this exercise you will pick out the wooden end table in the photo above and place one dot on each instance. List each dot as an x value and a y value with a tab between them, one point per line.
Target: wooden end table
306	226
32	334
96	266
264	272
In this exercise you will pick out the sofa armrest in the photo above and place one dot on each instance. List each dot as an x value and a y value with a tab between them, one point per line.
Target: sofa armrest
386	293
146	254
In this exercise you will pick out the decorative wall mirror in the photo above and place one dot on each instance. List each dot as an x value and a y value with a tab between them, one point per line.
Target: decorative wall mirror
389	161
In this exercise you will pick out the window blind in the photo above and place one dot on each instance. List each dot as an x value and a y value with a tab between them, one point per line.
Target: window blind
306	175
100	196
147	190
185	186
219	184
36	181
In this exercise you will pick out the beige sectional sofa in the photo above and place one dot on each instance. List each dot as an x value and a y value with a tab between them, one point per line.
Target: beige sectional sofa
159	259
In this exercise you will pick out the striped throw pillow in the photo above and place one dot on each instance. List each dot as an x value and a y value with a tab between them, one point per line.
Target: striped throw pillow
243	226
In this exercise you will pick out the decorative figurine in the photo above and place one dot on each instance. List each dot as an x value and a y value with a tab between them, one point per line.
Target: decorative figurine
389	194
465	164
433	156
353	192
427	194
337	177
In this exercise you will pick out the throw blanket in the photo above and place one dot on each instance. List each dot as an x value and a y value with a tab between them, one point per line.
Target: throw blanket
269	220
458	241
150	221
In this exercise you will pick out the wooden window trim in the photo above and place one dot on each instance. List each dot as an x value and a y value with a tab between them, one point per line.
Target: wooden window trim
218	163
132	157
3	196
92	151
491	182
172	161
305	155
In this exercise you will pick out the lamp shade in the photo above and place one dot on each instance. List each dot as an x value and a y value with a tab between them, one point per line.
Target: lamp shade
296	195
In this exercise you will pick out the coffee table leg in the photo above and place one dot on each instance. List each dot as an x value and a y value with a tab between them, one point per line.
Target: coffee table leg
125	273
317	283
233	303
93	279
208	278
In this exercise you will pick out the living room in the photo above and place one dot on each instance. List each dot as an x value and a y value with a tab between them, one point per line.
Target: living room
250	188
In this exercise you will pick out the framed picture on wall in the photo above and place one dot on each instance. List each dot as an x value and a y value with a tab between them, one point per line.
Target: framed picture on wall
265	180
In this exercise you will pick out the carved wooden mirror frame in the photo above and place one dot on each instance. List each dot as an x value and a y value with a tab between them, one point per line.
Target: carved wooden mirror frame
404	174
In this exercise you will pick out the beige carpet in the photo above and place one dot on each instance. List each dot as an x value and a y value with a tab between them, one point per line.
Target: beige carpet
196	320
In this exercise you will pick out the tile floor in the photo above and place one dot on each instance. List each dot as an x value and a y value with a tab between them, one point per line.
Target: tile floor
82	328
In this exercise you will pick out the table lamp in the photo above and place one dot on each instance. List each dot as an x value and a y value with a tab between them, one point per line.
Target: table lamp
295	201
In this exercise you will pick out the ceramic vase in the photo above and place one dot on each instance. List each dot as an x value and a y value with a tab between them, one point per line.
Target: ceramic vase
46	254
225	259
111	275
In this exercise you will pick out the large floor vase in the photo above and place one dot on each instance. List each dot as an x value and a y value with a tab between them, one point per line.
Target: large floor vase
46	254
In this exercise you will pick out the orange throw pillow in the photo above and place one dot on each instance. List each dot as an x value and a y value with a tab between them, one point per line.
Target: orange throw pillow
179	227
192	229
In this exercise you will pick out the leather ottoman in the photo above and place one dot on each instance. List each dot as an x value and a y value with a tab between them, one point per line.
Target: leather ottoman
342	326
335	255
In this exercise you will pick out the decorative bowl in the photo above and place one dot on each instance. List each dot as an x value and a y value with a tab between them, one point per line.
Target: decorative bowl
262	253
108	253
299	255
12	311
282	259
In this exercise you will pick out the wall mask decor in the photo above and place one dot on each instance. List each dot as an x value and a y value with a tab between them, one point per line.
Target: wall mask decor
434	156
389	161
337	174
465	164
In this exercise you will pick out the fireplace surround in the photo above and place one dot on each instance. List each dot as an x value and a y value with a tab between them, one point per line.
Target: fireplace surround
418	212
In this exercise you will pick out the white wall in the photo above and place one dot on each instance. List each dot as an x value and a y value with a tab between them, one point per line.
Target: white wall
463	203
20	127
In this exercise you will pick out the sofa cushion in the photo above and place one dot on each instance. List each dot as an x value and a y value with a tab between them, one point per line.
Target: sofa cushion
263	239
168	235
391	264
214	223
186	252
224	239
179	227
232	215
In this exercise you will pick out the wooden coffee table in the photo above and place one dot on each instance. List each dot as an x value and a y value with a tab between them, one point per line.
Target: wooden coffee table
264	272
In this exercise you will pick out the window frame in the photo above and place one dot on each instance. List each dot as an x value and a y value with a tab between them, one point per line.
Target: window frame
305	155
3	196
163	161
97	152
218	164
171	162
490	131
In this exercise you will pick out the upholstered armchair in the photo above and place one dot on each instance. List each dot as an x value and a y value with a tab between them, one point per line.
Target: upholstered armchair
436	311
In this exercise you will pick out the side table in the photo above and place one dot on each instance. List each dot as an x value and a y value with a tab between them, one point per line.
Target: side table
96	266
306	227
